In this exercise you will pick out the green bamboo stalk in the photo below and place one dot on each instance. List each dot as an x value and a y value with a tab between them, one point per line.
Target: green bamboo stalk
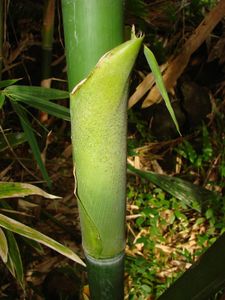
91	28
1	35
98	118
47	39
106	277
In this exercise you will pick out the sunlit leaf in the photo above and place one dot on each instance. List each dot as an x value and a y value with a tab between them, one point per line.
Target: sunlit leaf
28	232
160	84
17	189
3	246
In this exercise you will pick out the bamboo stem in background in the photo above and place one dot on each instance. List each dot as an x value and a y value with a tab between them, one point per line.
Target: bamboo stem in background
1	35
47	42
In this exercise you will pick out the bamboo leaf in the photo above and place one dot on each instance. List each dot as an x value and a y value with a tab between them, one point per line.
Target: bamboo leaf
191	195
28	232
3	246
35	245
2	99
14	263
38	97
17	189
160	84
14	139
27	92
10	267
5	83
22	111
49	107
31	140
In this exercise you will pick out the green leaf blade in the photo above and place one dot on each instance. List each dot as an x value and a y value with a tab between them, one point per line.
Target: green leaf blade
28	232
31	140
160	84
14	263
24	91
3	246
17	189
49	107
39	98
2	99
191	195
6	83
